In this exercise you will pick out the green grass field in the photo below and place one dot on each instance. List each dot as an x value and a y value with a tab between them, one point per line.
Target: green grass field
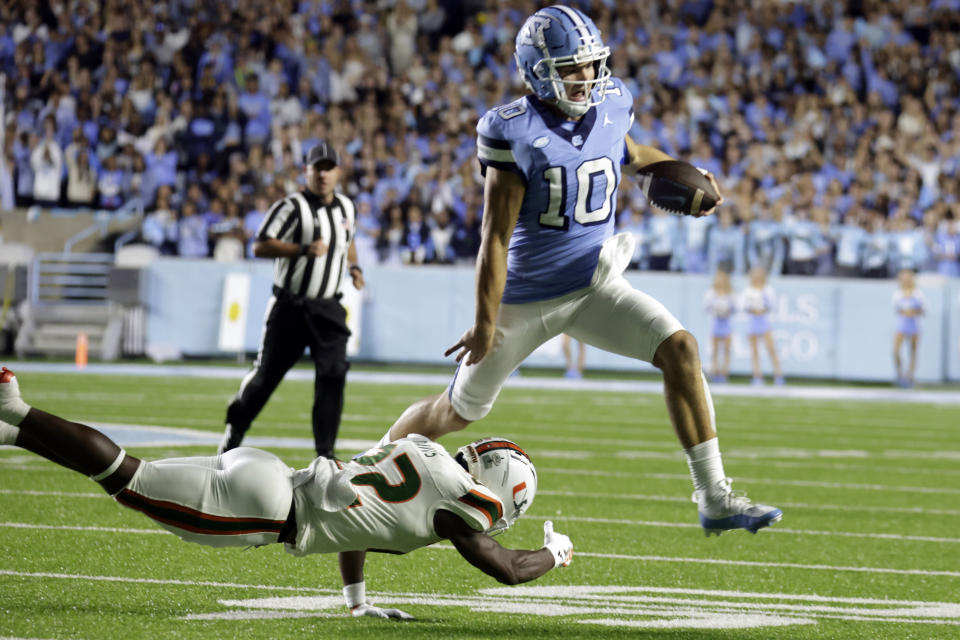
868	547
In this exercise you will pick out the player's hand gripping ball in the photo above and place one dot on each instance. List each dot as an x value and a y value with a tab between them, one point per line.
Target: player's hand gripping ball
678	187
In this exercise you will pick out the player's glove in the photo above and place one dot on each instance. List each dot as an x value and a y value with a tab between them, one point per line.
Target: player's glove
558	544
356	596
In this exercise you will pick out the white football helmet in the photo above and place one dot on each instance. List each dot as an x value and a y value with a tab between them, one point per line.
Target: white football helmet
506	470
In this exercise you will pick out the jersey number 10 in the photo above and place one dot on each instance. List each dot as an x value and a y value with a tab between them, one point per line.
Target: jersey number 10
555	217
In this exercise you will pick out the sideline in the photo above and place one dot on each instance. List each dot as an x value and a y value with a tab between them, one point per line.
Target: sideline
821	392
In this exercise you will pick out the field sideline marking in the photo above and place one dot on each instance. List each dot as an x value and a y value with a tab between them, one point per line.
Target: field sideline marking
861	394
609	556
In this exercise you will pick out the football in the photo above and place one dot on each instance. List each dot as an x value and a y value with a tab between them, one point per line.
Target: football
677	187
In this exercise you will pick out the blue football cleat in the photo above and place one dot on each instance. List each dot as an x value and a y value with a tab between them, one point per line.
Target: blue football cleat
734	511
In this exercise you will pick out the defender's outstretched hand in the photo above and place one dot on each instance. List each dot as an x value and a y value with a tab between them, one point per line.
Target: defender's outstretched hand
371	611
559	545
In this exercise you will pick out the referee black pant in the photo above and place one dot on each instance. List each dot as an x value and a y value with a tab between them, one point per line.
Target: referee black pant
292	324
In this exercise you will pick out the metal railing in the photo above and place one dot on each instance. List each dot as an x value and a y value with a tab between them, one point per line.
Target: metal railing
72	278
133	207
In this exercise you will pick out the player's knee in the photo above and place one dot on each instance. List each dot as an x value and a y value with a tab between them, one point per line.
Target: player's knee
678	354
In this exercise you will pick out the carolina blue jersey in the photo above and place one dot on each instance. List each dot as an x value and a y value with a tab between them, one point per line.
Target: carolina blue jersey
571	188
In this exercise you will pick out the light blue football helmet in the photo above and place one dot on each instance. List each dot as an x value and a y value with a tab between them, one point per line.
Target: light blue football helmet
561	36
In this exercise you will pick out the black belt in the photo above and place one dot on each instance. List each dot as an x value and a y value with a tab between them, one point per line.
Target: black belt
286	296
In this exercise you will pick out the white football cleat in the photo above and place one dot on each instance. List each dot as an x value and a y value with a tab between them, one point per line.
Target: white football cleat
733	510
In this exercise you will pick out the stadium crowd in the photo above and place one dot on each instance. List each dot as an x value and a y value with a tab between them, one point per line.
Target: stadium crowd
834	127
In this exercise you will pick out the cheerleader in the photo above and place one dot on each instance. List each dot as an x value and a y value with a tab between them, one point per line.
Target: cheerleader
909	306
720	304
757	301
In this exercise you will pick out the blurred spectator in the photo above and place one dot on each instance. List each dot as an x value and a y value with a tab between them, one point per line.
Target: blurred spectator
466	240
850	237
663	236
909	250
111	183
765	242
227	234
876	251
252	221
81	177
727	247
696	235
159	226
805	242
393	231
46	160
442	231
161	168
946	248
191	233
417	246
8	194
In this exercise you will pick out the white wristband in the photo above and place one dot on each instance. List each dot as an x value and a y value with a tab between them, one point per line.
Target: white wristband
355	594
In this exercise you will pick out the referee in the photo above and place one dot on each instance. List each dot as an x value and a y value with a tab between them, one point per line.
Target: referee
310	236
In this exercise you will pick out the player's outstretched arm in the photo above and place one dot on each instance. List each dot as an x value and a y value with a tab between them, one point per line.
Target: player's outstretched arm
509	566
640	155
355	589
503	196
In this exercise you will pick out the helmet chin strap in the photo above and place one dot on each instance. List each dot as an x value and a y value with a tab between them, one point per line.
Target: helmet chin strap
571	108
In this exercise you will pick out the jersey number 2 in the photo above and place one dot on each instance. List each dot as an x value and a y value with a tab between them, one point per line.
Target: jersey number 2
555	216
407	489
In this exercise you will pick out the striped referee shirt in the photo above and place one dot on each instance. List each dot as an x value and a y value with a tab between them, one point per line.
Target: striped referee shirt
302	218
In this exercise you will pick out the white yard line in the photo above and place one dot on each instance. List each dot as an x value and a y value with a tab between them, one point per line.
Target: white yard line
632	523
750	563
188	583
775	529
768	481
795	505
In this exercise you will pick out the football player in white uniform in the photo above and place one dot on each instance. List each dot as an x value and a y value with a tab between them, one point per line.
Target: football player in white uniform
403	496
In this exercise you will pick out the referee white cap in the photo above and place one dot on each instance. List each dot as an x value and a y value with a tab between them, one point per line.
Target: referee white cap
322	152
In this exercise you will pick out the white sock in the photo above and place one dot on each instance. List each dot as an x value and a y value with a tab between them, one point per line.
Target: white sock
12	407
706	467
8	433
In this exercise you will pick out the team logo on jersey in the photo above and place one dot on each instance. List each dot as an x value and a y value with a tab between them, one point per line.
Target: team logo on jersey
541	142
577	140
606	120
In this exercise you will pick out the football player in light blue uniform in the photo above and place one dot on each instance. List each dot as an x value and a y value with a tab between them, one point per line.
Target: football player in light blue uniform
549	262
